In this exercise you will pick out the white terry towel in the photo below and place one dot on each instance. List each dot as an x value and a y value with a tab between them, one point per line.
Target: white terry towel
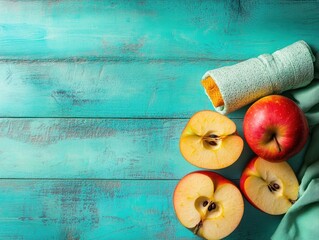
243	83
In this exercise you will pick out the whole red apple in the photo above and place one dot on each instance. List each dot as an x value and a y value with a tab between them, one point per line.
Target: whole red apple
275	128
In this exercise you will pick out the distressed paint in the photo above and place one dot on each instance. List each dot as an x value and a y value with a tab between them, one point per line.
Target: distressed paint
153	29
104	89
101	148
100	209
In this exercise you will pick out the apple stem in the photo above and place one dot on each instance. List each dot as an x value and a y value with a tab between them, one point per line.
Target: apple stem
197	227
278	145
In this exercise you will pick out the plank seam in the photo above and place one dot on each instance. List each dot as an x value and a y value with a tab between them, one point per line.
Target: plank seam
114	60
112	118
95	179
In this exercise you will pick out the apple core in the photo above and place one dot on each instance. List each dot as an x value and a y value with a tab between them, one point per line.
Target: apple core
210	140
208	204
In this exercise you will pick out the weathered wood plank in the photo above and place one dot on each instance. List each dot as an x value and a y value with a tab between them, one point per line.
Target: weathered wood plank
100	148
153	29
112	89
99	209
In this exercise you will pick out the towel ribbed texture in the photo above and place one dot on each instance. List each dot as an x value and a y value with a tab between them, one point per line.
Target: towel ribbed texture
243	83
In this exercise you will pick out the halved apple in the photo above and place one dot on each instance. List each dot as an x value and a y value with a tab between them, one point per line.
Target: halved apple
210	141
208	204
269	186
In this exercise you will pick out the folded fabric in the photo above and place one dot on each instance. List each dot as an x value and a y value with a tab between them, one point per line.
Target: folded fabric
232	87
307	99
302	219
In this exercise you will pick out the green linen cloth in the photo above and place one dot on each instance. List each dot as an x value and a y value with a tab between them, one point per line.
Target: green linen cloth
302	219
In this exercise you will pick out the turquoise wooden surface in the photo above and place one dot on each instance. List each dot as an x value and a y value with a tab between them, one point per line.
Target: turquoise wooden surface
101	148
103	209
167	30
104	89
94	96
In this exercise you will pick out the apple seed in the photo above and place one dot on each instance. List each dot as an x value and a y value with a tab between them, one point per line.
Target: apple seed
213	143
276	186
212	139
273	187
212	206
213	136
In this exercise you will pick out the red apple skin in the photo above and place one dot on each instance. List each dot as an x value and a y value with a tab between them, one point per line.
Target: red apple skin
216	178
249	170
279	116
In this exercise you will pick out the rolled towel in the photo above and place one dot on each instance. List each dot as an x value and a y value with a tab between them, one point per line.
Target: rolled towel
232	87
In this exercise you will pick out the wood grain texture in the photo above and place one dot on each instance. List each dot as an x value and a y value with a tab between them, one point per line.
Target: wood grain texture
153	29
107	59
97	209
104	89
101	148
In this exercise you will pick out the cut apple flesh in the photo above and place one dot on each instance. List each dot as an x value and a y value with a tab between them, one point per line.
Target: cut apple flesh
195	187
209	140
210	211
273	188
227	214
